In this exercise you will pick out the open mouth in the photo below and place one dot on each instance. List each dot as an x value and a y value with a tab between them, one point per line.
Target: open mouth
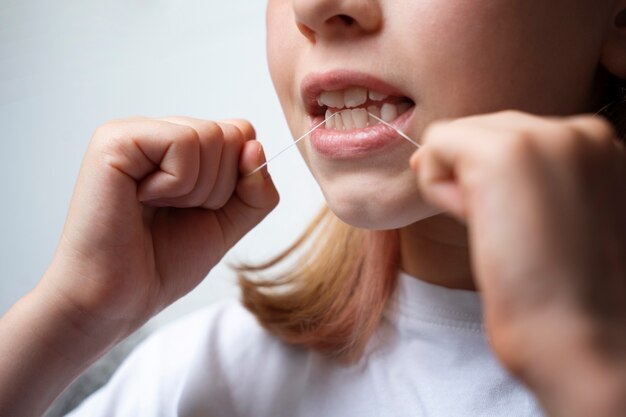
351	97
354	105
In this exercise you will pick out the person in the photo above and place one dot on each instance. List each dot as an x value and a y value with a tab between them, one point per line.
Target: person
481	274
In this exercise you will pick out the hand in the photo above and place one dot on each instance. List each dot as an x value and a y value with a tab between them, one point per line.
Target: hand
157	204
544	200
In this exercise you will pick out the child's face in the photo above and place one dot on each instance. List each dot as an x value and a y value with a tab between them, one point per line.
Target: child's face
447	59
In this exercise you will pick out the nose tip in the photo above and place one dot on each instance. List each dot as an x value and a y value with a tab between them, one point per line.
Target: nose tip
332	18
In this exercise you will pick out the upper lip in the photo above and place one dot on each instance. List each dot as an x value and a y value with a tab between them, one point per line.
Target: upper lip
315	83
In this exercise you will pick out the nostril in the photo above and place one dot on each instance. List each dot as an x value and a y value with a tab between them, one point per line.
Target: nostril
335	18
349	21
306	31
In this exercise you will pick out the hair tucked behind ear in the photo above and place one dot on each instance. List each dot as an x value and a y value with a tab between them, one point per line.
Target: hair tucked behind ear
333	298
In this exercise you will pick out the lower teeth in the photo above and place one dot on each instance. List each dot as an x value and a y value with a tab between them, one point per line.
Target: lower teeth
359	119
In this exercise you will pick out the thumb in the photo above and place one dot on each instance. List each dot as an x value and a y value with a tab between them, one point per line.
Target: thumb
255	195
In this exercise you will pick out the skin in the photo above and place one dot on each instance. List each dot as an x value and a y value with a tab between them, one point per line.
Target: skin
433	49
153	198
527	206
523	193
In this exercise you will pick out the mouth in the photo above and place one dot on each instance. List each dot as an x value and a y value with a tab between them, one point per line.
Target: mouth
350	97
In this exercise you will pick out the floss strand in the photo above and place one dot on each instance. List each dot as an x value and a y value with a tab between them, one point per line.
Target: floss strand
317	126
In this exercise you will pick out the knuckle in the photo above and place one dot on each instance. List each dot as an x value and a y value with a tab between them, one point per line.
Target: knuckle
221	202
115	126
194	200
233	136
188	183
585	141
513	116
517	144
248	129
103	130
184	183
188	135
210	130
111	137
213	204
244	126
603	126
219	196
596	129
107	131
510	113
573	141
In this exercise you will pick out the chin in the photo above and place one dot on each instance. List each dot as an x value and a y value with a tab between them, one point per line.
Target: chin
377	208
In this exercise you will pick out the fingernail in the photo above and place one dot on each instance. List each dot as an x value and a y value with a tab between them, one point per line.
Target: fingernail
262	160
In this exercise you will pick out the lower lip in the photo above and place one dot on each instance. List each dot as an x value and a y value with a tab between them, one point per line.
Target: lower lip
358	143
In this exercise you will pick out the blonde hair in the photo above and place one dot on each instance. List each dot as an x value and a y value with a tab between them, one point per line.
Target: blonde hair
333	298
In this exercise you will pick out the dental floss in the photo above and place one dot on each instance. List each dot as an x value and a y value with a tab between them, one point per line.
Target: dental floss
291	145
401	133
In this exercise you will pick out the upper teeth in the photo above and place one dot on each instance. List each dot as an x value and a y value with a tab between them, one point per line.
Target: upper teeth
348	98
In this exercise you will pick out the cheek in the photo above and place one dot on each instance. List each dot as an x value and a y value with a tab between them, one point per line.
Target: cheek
282	44
483	56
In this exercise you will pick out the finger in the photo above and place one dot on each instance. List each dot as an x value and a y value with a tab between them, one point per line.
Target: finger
596	130
592	126
228	171
161	157
244	126
255	190
438	164
211	139
255	195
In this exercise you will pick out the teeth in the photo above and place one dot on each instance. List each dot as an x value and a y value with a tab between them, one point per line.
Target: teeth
360	117
389	112
339	122
334	99
375	110
348	98
354	97
348	121
375	96
330	123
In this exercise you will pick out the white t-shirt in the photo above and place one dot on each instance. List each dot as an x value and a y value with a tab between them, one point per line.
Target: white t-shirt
429	357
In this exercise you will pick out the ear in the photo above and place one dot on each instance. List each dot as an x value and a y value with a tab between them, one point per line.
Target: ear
614	49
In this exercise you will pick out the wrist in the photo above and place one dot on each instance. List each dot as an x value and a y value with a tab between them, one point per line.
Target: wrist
79	332
43	348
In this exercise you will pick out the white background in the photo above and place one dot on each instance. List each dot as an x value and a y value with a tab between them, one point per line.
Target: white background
68	66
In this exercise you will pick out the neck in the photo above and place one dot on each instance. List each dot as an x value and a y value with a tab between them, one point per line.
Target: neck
436	251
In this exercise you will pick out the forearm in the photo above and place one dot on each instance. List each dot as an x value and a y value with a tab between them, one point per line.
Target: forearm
43	348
